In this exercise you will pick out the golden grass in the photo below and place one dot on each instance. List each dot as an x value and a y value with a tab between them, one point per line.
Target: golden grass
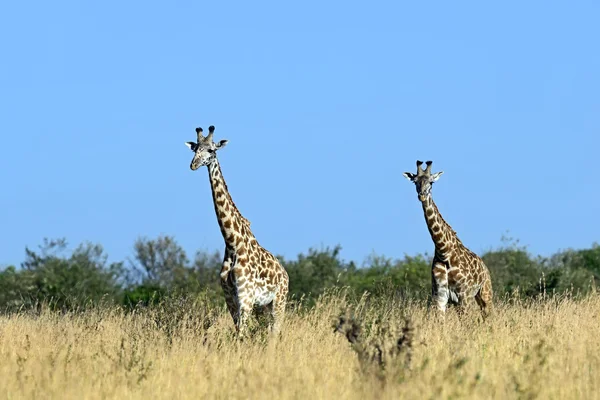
542	349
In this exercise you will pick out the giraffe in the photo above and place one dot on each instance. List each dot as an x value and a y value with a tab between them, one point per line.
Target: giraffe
250	275
457	274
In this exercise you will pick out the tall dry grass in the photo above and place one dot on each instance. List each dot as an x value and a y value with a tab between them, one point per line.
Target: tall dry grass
541	349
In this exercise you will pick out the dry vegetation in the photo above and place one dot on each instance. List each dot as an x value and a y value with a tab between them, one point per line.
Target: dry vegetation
547	348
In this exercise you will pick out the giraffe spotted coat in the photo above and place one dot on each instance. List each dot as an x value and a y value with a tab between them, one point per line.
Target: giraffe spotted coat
457	274
251	277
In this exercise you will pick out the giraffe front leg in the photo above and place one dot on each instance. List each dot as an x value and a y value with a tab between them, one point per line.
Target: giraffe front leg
229	291
484	298
278	310
439	286
245	305
462	302
232	305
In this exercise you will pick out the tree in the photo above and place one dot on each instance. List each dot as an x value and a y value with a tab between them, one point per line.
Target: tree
159	262
163	269
64	282
410	276
578	269
314	272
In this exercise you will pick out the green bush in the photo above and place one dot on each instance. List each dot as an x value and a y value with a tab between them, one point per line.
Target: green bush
62	282
161	270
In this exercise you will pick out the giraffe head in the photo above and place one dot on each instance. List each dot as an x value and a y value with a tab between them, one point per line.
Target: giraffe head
204	148
423	179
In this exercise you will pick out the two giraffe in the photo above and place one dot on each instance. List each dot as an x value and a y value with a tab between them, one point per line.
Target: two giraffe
251	276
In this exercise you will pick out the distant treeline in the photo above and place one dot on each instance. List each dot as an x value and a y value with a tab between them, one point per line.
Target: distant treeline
160	268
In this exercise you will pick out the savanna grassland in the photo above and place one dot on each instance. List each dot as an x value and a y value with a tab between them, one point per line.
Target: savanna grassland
541	348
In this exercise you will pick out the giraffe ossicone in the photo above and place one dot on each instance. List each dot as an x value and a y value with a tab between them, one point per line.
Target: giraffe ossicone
457	274
250	275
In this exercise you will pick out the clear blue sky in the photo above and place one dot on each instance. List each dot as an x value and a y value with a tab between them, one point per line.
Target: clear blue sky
325	104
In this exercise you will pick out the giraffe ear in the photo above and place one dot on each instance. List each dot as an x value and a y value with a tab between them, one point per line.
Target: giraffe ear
436	176
191	145
409	176
221	144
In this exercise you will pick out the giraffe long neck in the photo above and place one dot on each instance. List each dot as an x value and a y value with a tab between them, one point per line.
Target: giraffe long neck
442	234
233	225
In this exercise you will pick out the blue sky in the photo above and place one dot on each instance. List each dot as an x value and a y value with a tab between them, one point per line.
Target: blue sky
325	104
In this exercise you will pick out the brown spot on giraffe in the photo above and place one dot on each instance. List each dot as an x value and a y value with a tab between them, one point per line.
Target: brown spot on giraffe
455	259
453	274
249	270
467	275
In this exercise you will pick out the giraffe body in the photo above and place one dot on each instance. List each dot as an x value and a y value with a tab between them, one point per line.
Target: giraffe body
457	274
250	275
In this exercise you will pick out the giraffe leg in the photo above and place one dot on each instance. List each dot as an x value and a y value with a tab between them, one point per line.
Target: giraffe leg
245	312
278	311
481	303
245	306
484	298
229	292
231	302
462	303
439	286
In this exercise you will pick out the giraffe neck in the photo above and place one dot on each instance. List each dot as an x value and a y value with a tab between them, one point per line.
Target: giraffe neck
442	234
234	227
